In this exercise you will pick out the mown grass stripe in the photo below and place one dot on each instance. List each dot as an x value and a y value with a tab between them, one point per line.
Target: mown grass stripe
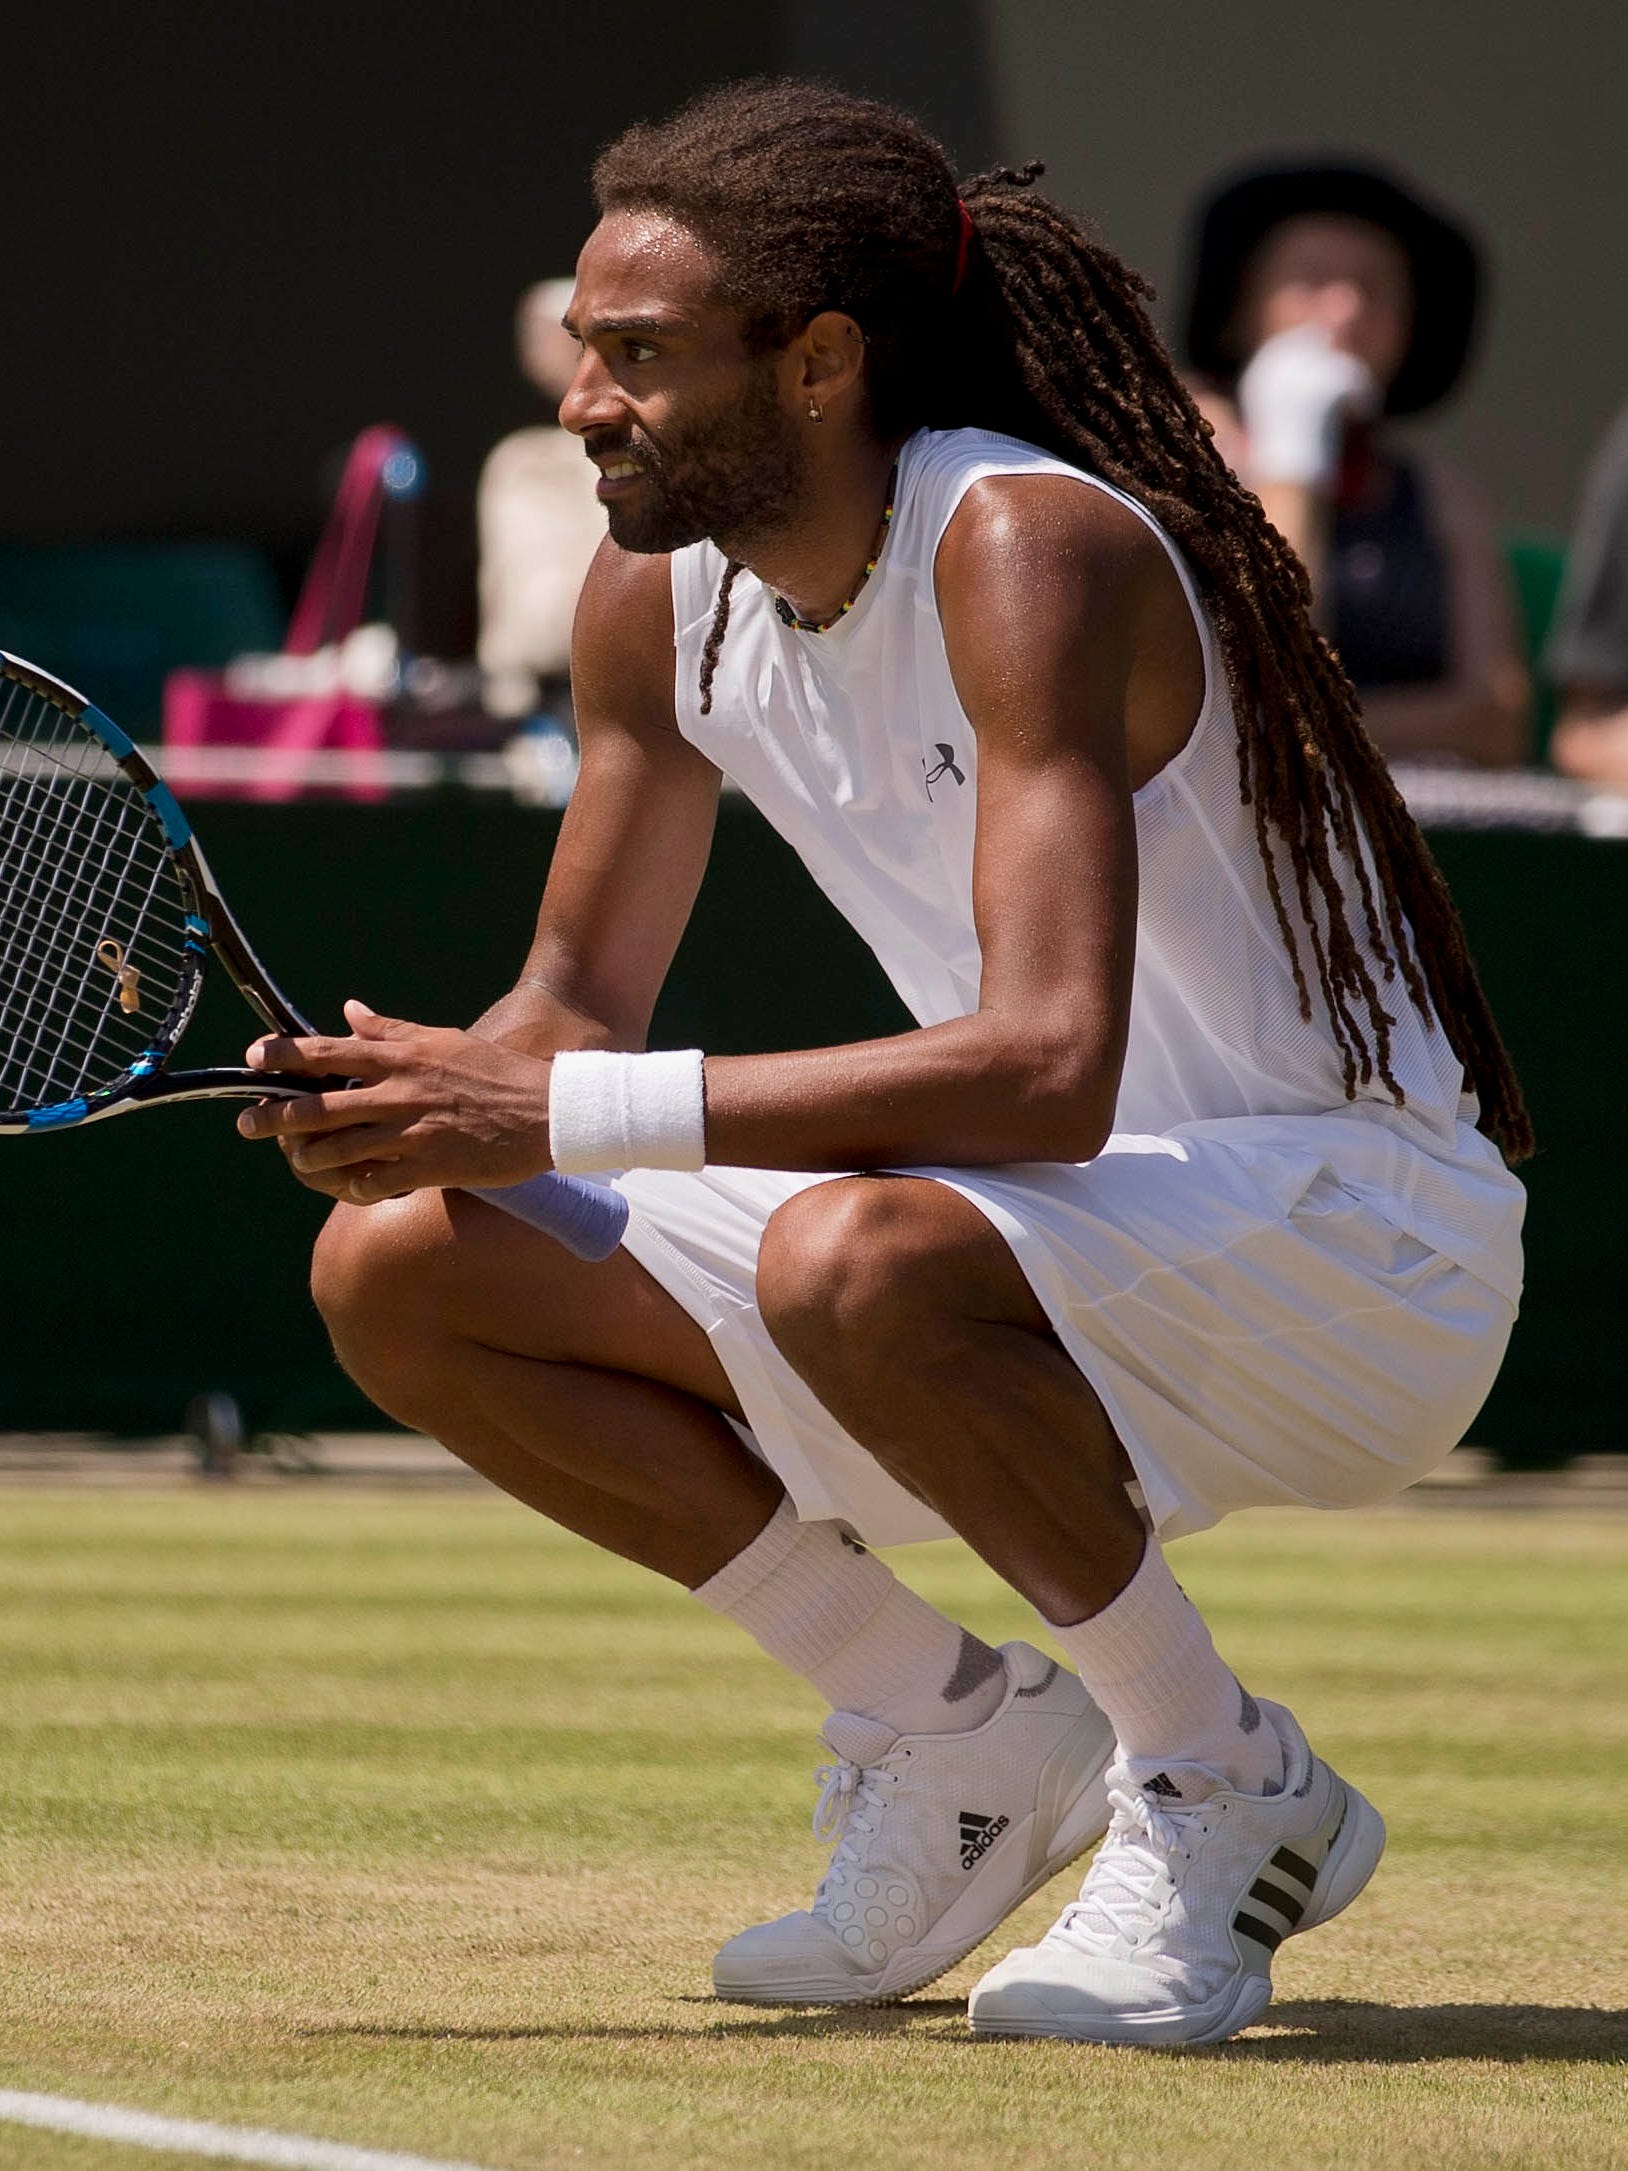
437	1853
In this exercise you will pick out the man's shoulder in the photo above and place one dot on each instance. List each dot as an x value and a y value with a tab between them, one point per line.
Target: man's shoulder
626	607
952	461
1053	524
1050	578
622	652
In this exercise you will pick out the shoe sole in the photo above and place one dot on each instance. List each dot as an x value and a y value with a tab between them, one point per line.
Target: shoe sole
1242	2002
1077	1831
1351	1861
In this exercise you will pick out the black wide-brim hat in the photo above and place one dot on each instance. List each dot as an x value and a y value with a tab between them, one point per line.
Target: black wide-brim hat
1246	204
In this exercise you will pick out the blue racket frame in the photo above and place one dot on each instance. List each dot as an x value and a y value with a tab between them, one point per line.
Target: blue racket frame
587	1218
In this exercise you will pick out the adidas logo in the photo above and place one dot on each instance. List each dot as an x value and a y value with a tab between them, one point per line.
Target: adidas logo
1272	1907
1162	1783
978	1835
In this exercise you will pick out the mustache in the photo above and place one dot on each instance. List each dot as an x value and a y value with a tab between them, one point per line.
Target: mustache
634	445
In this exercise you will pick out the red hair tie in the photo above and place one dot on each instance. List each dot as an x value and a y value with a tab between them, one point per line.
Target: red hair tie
961	247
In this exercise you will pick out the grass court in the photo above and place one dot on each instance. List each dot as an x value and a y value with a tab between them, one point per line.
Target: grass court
408	1821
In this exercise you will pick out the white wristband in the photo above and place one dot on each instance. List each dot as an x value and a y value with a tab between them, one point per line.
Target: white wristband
609	1111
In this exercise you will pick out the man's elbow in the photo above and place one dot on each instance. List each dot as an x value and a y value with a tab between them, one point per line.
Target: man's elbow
1071	1100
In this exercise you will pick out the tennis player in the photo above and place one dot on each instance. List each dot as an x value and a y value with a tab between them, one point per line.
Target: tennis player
1185	1196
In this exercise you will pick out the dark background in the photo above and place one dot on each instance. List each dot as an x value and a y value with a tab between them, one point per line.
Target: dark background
237	230
235	233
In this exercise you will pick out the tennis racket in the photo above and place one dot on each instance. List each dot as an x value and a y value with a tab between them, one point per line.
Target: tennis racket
108	916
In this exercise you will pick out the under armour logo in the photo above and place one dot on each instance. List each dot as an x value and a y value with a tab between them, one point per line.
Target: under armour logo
946	763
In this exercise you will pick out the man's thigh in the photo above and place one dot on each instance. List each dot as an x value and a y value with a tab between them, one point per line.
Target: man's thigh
442	1262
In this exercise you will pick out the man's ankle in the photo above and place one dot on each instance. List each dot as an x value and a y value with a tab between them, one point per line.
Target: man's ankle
821	1603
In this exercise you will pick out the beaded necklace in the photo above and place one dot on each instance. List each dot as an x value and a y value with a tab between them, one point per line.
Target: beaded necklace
788	616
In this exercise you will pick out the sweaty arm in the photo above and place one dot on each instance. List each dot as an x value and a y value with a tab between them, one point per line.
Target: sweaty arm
437	1107
634	840
1075	659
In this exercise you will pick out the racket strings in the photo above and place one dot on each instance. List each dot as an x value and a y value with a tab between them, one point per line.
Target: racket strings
75	871
49	863
49	866
60	1032
93	939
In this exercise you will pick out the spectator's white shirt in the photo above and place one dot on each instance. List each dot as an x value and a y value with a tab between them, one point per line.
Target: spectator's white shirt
539	524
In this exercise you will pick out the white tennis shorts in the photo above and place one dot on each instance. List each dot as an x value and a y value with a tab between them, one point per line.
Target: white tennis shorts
1258	1333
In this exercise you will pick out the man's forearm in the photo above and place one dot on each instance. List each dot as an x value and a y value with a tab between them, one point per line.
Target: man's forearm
968	1093
535	1018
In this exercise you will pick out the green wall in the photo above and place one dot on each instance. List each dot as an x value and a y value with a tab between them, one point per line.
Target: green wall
152	1258
155	1256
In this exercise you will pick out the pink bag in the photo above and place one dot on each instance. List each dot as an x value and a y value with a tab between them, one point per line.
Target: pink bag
280	733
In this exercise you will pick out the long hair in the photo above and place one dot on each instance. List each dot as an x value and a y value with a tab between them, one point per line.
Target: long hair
812	199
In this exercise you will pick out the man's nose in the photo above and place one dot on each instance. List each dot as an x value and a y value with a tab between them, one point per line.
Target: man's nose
589	401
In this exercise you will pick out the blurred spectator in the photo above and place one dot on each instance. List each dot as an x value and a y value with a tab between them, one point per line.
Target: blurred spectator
1588	652
539	526
1325	299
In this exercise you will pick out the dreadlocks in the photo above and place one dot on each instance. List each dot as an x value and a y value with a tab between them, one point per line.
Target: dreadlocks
812	199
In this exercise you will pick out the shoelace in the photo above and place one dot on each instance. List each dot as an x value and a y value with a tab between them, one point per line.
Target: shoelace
1143	1835
851	1797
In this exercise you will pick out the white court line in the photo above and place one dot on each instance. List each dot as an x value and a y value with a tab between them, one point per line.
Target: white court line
194	2137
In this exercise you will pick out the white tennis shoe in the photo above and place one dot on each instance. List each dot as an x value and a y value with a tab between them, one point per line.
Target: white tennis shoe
1195	1887
937	1838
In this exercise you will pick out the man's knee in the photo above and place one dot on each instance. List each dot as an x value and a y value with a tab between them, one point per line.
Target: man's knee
373	1275
863	1271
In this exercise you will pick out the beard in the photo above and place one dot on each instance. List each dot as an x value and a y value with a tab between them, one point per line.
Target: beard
738	472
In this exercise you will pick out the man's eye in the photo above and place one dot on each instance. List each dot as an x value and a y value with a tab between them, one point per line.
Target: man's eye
637	351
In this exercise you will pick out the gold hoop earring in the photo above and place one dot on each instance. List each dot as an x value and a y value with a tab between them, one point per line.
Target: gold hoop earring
814	414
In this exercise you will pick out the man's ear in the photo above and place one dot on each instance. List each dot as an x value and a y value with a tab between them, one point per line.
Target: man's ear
830	355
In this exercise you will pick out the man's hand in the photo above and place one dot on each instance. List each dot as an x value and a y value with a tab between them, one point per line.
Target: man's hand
432	1108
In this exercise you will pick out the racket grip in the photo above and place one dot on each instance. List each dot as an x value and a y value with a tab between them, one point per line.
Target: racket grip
587	1218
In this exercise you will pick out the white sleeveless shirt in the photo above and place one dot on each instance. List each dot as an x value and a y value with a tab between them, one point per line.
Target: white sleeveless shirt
854	745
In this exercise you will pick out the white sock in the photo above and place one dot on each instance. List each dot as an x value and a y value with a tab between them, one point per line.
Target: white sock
1148	1661
817	1601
